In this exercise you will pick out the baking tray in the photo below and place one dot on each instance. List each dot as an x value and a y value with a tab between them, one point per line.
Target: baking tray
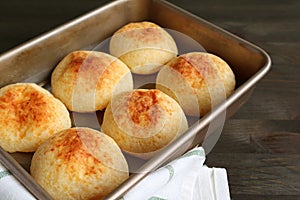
35	60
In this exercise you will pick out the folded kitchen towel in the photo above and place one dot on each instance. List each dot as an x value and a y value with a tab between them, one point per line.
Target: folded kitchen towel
11	188
185	178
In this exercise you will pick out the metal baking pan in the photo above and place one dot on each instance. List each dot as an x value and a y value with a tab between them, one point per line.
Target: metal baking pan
35	60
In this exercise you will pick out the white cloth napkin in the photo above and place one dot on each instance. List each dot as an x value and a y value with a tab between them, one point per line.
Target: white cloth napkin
11	188
184	178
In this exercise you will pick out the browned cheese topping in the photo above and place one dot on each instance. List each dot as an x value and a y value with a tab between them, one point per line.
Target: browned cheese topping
26	106
139	106
72	149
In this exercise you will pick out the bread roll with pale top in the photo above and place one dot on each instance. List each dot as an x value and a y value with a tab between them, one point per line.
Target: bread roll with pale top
85	80
29	115
143	46
197	80
143	121
79	163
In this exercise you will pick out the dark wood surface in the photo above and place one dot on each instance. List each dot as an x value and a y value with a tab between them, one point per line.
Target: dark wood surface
260	144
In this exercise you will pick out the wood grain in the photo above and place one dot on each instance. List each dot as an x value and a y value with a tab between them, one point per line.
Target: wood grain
260	173
260	144
259	136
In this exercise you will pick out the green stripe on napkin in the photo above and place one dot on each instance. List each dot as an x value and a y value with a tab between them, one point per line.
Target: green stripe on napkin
171	171
4	174
196	152
156	198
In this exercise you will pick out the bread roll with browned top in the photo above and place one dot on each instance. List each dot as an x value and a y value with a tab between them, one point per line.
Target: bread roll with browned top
197	80
143	121
85	80
143	46
29	115
78	164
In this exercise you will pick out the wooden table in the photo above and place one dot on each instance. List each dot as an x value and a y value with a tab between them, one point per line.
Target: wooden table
260	144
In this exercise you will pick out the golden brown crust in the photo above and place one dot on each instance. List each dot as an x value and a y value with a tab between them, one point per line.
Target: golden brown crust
143	46
143	121
70	148
79	163
188	71
26	104
213	70
137	25
144	32
206	78
85	80
139	106
29	115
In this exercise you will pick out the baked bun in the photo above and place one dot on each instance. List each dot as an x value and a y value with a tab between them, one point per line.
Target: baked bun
85	80
197	80
79	163
29	115
143	46
143	121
